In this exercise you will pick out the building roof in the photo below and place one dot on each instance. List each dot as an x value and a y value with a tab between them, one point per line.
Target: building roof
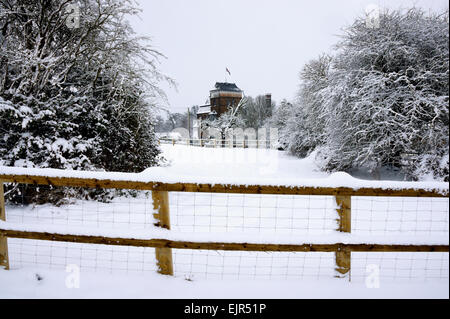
204	109
229	87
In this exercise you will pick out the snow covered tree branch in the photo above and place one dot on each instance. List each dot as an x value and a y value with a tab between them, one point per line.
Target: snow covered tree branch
76	97
381	101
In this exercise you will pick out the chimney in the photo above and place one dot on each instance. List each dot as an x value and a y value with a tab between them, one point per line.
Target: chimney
268	100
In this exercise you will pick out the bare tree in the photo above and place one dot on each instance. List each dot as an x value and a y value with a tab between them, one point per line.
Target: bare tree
226	121
256	112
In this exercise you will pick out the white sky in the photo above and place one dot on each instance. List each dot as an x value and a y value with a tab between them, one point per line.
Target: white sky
264	43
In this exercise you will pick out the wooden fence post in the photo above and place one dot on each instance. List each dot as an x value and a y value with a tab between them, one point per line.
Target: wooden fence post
163	255
343	256
4	260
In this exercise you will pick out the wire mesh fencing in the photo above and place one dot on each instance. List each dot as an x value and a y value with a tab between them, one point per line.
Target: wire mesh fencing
123	211
251	214
233	265
248	213
93	258
400	266
400	215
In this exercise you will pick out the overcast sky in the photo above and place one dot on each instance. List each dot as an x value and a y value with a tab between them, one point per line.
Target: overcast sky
264	43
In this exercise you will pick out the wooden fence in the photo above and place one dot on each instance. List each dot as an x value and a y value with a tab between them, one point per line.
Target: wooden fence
160	196
214	143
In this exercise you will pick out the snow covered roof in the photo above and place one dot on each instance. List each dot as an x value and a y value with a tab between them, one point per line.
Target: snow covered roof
229	87
206	109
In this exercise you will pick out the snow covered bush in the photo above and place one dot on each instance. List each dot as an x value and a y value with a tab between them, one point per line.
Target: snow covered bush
76	96
281	115
387	97
306	126
256	112
382	101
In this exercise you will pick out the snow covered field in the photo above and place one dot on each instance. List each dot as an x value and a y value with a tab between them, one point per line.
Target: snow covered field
129	272
23	284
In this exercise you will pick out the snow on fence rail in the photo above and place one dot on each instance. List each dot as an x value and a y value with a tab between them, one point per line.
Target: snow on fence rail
342	243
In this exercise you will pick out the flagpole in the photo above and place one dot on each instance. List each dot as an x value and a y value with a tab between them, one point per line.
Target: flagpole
227	71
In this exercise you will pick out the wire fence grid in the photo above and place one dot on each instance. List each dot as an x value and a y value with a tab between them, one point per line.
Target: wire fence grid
237	213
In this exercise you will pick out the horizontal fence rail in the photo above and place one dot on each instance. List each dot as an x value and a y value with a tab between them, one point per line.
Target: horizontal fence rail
164	243
220	188
161	213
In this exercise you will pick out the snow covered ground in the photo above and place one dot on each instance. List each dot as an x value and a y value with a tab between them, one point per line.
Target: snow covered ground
23	284
238	163
129	272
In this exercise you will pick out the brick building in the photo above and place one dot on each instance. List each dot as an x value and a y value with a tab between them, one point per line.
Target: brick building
223	96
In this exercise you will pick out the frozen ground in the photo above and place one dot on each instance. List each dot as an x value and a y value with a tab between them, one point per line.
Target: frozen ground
129	272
